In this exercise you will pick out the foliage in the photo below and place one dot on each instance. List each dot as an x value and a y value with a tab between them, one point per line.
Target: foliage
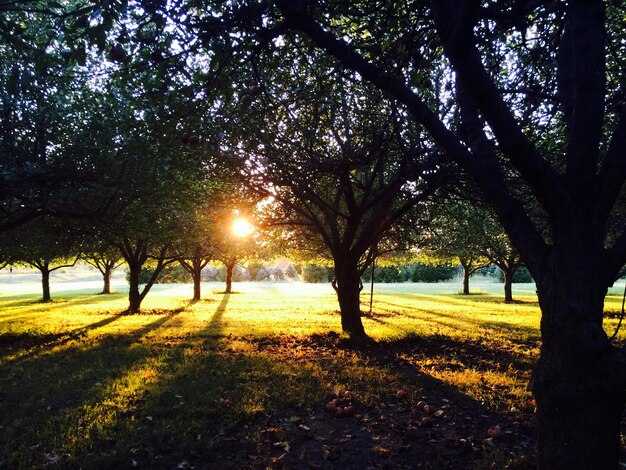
314	273
46	244
144	275
432	273
171	274
522	275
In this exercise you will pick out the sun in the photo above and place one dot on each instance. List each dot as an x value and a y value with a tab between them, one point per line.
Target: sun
242	228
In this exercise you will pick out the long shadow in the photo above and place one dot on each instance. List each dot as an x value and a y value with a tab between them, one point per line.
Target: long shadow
143	331
498	326
25	299
179	417
64	298
53	387
457	322
374	317
215	324
477	354
90	299
36	343
460	299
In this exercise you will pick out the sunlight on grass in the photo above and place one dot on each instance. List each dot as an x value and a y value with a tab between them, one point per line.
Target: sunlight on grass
81	380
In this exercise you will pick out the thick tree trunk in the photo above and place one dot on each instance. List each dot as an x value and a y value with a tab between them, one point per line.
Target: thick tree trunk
508	285
197	278
45	283
466	277
106	276
230	267
578	389
134	297
348	286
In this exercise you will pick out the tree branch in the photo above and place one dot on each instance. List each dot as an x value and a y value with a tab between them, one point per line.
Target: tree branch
455	26
66	265
613	170
511	212
581	88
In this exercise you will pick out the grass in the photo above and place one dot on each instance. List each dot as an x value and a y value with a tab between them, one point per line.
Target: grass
235	381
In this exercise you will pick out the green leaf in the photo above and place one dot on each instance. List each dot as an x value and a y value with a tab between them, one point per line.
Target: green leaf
97	34
13	81
42	63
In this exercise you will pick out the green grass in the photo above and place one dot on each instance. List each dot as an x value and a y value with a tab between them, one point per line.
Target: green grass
187	382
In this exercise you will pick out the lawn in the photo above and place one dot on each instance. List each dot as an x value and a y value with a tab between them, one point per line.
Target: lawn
244	380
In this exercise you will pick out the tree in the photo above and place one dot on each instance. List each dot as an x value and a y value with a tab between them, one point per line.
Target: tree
457	231
342	167
105	259
500	252
566	149
479	77
195	247
136	253
45	244
44	105
230	245
194	264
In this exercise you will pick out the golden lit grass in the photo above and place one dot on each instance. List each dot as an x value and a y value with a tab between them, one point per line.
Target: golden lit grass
291	308
84	383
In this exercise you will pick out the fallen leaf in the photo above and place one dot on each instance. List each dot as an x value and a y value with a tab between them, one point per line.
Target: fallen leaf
279	458
381	450
283	444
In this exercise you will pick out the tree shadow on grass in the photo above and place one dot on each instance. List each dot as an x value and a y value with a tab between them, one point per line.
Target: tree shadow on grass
33	344
210	401
465	323
215	323
45	395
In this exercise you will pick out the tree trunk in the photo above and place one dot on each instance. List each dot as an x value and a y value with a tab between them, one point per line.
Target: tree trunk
508	285
466	276
106	275
197	278
230	266
577	383
194	267
348	286
134	297
45	283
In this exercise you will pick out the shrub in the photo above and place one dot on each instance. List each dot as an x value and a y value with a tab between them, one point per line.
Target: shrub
262	274
290	271
316	273
277	273
174	274
254	269
388	274
241	274
432	273
210	273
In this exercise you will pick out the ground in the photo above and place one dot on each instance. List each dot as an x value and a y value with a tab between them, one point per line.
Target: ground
247	380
